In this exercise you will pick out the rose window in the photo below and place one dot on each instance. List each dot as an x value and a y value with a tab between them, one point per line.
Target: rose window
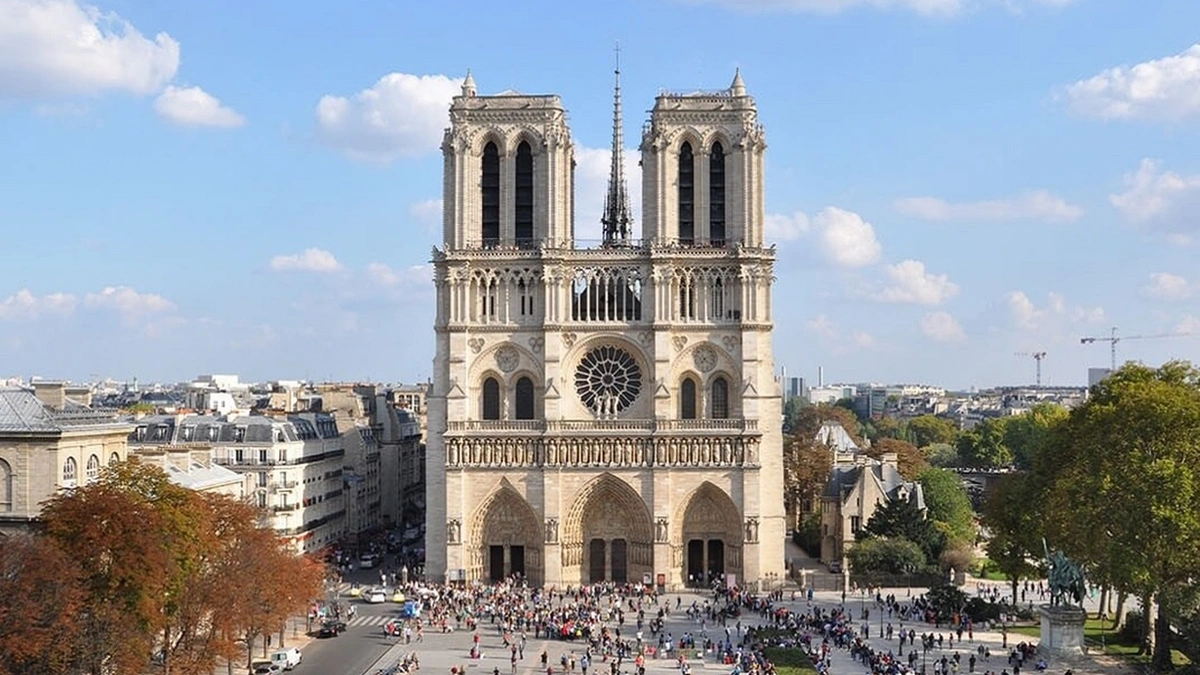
608	380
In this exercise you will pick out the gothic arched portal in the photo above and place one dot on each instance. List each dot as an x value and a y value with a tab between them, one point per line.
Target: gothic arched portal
608	534
506	536
710	532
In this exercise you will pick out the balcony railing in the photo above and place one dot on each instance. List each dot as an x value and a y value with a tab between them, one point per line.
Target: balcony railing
285	508
281	485
617	426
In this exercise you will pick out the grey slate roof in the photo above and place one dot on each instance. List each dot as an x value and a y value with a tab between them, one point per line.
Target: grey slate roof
844	477
21	411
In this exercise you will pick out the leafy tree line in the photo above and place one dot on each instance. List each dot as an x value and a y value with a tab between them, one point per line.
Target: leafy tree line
1116	484
132	566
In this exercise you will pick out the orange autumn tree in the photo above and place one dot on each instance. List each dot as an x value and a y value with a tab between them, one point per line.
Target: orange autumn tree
40	602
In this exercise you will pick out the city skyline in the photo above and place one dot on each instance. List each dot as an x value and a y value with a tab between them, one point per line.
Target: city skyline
220	188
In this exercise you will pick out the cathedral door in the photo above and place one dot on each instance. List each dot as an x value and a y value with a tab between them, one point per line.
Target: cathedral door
712	529
597	552
716	559
516	560
620	561
695	562
608	534
495	563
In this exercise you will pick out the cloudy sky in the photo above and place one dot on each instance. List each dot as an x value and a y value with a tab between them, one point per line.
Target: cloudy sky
202	186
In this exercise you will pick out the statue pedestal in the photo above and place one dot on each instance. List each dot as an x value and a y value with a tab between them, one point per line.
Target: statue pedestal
1062	629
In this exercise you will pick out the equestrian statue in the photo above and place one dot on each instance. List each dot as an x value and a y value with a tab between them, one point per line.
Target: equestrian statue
1065	578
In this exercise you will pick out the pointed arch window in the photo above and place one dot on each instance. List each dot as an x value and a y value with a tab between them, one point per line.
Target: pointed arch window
687	399
6	486
687	195
720	398
524	403
93	468
490	195
491	399
523	213
716	196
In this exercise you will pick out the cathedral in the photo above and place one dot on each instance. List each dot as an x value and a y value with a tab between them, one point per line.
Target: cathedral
604	410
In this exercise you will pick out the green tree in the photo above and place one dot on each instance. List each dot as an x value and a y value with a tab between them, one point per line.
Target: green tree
948	505
901	519
983	447
909	459
1124	490
1011	515
1026	435
885	556
942	454
929	429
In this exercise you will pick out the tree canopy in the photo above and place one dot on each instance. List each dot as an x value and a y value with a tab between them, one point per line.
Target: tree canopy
1123	485
947	504
929	429
136	565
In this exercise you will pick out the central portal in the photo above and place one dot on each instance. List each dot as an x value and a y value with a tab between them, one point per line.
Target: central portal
608	536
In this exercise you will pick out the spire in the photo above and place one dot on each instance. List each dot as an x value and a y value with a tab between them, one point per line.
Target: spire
738	87
468	85
616	218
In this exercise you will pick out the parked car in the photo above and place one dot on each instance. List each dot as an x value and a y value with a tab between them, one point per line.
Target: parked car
267	669
286	658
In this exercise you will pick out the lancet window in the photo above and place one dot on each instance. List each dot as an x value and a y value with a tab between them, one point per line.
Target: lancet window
687	195
523	194
720	398
490	408
716	196
490	195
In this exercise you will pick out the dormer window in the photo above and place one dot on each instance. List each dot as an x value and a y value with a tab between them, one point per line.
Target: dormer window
160	432
239	435
140	433
188	433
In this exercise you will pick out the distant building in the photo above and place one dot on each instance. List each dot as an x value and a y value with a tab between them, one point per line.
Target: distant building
1098	375
192	467
793	387
50	442
291	465
858	486
831	393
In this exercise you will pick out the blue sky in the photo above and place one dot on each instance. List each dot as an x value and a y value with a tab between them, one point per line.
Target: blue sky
226	186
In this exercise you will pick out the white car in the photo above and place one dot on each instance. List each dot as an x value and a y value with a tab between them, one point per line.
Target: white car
375	596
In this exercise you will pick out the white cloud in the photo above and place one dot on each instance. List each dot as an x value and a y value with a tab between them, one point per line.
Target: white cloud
926	7
782	227
592	166
311	260
1167	286
941	327
1159	199
1038	205
1026	314
127	301
25	306
846	239
194	107
1189	325
1166	89
834	6
912	283
63	48
412	276
401	115
862	340
821	325
428	211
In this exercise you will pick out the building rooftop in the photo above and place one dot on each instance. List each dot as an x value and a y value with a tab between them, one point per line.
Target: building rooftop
21	411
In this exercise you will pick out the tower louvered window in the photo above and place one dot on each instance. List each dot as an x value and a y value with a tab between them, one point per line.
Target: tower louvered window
491	399
523	216
490	195
716	196
687	195
687	399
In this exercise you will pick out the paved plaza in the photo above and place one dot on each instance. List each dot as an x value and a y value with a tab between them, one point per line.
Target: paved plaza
365	650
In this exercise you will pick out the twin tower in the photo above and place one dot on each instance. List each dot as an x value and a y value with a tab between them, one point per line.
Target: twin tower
604	410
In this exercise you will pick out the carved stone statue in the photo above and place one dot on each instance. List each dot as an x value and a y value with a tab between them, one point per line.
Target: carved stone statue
551	531
1064	577
453	532
660	530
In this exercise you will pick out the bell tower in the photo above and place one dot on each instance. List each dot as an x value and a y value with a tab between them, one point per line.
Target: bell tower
508	171
702	175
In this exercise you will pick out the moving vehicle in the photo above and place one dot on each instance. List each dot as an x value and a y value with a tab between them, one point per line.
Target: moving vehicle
375	596
331	628
267	669
286	658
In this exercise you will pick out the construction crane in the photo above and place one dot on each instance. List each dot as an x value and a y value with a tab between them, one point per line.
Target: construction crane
1037	356
1113	339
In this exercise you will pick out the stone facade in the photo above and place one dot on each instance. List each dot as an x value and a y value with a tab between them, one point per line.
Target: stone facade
606	412
859	486
47	448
